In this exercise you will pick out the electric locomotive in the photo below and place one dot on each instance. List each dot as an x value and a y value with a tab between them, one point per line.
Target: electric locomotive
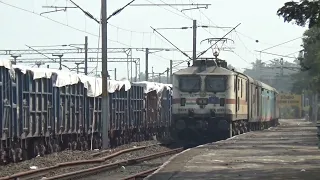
212	102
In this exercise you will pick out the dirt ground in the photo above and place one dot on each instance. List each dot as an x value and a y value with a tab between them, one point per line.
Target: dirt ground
288	151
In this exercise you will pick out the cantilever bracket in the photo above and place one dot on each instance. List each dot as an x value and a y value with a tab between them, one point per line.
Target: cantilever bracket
198	7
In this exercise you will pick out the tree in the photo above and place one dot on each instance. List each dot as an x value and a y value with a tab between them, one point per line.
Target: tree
302	12
309	77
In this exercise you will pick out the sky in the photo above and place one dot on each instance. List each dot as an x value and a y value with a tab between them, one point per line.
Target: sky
23	26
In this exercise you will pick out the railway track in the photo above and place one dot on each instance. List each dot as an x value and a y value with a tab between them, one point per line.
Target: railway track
85	168
141	175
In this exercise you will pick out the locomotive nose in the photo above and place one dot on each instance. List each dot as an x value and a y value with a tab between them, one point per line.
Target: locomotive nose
202	101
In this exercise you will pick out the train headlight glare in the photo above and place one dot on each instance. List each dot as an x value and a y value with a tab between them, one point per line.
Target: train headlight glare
183	101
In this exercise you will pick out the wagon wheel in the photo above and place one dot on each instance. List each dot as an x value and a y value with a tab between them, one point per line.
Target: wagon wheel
36	151
19	154
13	155
43	150
85	145
50	148
81	146
4	156
74	145
238	131
69	146
55	148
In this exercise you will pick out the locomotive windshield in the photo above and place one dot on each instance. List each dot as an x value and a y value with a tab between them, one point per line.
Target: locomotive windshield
189	83
215	83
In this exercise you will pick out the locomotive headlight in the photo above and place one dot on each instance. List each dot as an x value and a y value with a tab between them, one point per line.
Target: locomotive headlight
183	101
222	101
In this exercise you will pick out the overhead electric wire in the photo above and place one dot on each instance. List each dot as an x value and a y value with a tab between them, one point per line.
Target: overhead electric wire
71	27
281	44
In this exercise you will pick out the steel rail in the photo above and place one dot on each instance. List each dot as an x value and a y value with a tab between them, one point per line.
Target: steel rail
43	171
102	168
141	175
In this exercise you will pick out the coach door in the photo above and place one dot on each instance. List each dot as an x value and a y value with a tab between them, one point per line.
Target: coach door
252	98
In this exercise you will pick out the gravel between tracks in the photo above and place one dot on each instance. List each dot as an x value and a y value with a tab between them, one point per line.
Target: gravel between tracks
60	157
126	156
126	171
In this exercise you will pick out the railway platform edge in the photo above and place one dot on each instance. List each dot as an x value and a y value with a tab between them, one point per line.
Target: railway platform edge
288	151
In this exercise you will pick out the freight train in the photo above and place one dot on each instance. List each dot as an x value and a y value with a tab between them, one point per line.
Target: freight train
44	111
212	101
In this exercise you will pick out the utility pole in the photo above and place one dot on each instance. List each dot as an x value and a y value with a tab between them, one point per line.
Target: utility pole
115	73
168	75
152	74
147	64
281	67
194	50
159	80
60	60
105	93
86	55
15	58
171	78
77	64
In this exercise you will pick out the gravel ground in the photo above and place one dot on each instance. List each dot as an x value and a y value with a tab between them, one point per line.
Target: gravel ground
131	155
288	151
126	171
60	157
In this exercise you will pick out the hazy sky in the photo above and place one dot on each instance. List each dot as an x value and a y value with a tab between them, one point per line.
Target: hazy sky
131	28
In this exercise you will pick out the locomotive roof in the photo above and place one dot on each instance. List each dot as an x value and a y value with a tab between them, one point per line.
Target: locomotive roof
209	70
220	71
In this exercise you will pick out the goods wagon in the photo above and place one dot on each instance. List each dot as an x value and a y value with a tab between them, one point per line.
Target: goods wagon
45	111
212	101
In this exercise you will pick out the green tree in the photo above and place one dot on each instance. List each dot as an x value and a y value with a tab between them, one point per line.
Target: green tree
305	12
302	12
309	77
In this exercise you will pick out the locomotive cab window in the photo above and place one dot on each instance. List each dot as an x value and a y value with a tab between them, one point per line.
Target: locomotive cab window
215	83
190	83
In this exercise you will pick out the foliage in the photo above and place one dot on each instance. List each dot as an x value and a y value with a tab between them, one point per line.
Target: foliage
305	12
309	77
302	12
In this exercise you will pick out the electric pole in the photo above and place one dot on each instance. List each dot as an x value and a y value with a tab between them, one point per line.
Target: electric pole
168	75
171	78
152	74
77	64
15	58
105	93
86	55
147	65
60	60
194	50
281	67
